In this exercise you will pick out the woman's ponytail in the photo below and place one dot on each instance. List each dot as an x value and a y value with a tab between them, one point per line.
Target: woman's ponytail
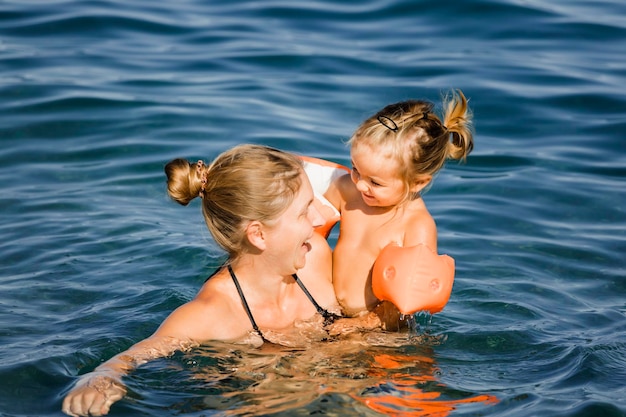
185	180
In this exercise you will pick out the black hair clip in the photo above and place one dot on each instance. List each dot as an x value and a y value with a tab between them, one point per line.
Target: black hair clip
388	123
391	125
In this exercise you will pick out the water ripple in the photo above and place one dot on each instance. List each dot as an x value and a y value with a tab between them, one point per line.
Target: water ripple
99	94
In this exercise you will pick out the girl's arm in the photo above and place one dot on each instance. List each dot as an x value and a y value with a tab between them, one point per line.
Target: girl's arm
422	231
334	194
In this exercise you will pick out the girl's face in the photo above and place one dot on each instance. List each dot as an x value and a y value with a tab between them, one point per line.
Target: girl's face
289	236
377	177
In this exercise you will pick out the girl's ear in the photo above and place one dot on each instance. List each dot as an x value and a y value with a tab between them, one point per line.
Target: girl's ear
420	183
255	235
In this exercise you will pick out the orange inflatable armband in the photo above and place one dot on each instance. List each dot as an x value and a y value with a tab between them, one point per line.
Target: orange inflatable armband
321	173
413	278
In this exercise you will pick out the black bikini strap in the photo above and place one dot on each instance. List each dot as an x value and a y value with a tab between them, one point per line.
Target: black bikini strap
215	272
328	316
245	303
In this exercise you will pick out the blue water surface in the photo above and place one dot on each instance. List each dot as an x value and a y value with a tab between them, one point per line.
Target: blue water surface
97	95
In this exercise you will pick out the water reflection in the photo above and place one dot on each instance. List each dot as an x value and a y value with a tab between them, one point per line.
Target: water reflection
378	372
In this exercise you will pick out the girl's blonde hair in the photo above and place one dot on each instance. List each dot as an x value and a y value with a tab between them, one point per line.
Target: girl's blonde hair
417	138
244	184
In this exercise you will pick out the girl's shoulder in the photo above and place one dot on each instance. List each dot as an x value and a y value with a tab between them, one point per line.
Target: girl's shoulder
339	190
420	227
346	188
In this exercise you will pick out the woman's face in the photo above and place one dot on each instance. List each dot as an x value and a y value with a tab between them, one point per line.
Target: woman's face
289	236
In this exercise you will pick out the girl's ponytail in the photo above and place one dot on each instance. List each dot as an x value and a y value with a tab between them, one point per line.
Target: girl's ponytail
458	121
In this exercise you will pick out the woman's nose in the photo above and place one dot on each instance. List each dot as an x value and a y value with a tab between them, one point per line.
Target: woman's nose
316	217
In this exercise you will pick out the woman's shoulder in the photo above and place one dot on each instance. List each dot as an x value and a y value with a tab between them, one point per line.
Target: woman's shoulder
218	283
211	315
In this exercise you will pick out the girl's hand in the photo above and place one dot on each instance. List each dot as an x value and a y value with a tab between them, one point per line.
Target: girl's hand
349	325
93	395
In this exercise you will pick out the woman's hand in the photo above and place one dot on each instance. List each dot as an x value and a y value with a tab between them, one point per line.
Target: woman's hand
93	395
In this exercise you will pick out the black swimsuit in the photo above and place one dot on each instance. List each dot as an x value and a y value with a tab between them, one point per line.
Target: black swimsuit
328	316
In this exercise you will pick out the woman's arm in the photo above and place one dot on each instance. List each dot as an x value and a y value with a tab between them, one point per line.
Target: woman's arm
187	326
95	392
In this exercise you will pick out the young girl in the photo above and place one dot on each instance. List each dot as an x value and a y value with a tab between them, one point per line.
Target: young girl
395	154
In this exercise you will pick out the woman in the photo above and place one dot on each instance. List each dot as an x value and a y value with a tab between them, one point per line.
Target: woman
258	205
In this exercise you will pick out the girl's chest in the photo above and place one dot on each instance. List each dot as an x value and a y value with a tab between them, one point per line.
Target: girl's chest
370	232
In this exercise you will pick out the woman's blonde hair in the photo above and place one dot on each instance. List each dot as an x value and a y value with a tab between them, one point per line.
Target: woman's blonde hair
417	138
244	184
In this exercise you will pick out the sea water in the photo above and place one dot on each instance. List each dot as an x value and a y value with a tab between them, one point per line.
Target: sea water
97	95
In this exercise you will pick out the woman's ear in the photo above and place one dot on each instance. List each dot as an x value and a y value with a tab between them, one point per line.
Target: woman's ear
420	183
255	235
